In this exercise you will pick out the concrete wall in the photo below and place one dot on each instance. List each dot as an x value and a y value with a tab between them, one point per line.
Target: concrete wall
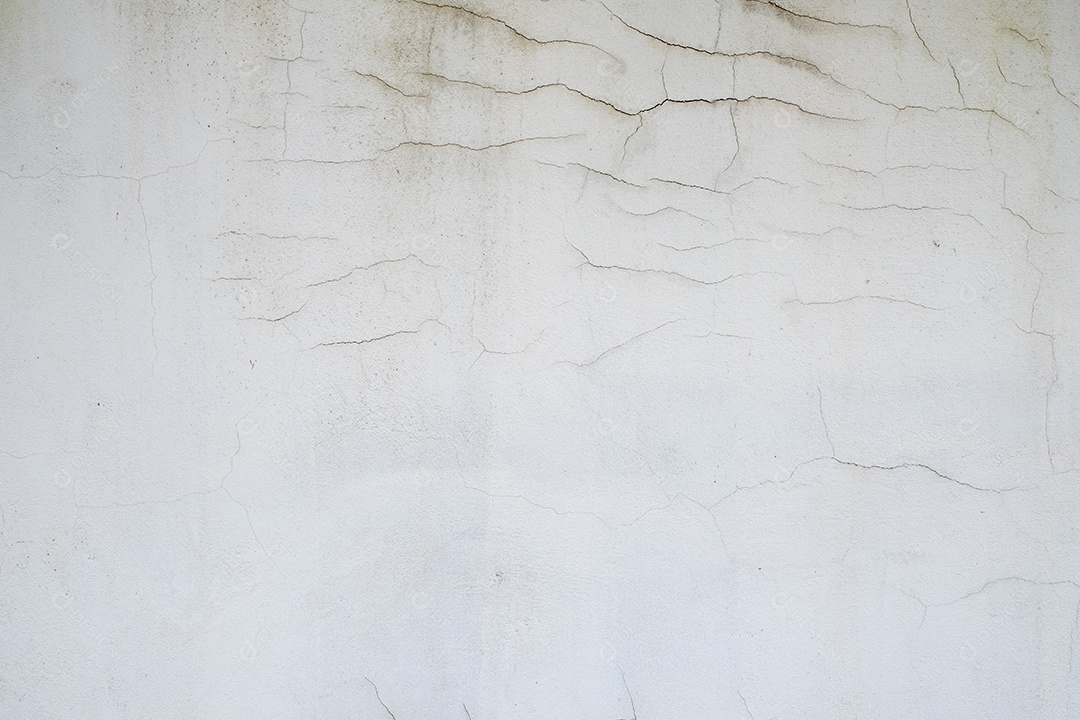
539	359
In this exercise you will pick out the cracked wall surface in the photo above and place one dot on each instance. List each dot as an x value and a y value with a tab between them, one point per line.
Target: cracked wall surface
526	359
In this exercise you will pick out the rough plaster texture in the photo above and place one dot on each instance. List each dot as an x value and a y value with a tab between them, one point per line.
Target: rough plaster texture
539	359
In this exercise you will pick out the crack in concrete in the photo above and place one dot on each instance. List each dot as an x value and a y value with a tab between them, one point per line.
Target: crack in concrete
824	424
362	268
633	707
379	698
617	347
869	297
289	91
709	283
746	707
277	319
368	341
791	13
220	488
1051	338
509	27
848	463
915	27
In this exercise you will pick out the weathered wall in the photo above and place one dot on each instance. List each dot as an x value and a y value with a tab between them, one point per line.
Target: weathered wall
539	359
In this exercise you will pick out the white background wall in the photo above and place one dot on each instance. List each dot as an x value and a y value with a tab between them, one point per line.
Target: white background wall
539	359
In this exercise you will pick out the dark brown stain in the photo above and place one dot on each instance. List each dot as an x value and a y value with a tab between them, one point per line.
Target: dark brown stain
800	22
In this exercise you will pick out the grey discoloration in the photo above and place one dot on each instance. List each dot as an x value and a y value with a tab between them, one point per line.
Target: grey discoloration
804	21
539	359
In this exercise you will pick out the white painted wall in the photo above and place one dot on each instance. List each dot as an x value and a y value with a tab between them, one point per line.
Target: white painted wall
539	359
